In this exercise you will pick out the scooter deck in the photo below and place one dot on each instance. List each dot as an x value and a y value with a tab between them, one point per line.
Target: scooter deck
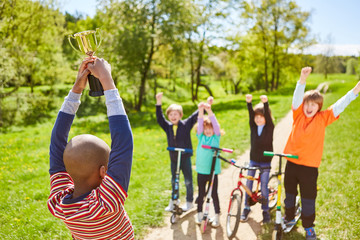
297	217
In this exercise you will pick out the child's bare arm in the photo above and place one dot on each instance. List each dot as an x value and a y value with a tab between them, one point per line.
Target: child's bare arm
102	70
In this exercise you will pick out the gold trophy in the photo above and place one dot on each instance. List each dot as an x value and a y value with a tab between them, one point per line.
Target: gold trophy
88	43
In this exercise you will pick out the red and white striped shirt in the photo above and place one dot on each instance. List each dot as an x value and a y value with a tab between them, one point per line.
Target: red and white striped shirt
99	215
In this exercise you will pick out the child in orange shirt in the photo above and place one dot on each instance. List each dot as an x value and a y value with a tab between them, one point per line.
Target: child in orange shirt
306	140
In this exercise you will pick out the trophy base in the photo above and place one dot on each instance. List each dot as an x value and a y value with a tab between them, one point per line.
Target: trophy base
96	89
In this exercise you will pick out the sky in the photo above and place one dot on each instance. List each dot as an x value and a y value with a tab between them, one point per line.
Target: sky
337	20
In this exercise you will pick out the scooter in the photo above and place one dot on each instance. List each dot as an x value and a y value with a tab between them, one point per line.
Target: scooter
177	210
280	226
217	151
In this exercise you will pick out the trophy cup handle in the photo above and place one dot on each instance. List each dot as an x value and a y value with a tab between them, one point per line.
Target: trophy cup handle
69	38
98	31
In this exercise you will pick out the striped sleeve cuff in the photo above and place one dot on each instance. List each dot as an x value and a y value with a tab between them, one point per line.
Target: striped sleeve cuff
114	103
71	103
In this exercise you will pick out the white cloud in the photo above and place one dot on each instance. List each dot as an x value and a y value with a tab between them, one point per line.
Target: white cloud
334	49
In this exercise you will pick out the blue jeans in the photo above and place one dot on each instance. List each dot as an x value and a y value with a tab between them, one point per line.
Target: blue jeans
185	167
264	180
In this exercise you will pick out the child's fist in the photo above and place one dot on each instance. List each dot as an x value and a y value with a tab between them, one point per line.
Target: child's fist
263	98
248	98
305	72
201	105
207	107
159	96
210	100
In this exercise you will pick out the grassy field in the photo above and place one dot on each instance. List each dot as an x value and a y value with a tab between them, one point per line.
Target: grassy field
24	176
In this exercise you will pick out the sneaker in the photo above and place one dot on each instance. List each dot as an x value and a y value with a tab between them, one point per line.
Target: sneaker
266	217
170	207
215	221
198	218
187	206
310	233
245	215
290	223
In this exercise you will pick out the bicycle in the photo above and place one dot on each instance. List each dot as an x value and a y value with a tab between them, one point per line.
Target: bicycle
216	155
177	210
280	226
236	196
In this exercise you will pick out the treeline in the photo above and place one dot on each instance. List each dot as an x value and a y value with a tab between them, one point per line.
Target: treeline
247	45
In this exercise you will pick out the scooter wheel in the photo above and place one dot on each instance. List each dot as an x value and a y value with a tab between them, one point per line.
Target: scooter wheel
203	225
277	234
173	218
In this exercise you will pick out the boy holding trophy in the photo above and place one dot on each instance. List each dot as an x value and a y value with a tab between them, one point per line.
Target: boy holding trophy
89	182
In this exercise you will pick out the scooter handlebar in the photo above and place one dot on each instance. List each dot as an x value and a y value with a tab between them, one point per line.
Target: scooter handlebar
216	148
186	150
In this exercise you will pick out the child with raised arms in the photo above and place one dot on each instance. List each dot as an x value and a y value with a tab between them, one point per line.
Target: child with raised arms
262	130
89	182
306	140
208	133
178	135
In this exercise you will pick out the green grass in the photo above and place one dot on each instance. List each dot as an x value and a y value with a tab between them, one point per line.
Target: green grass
24	177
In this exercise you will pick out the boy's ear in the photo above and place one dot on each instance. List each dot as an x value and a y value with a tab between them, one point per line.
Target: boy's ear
102	172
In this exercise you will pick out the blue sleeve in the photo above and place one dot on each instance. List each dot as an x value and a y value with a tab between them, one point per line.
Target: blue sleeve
120	160
343	102
298	95
59	137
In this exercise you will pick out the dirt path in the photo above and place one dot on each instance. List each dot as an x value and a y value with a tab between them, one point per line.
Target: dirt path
186	228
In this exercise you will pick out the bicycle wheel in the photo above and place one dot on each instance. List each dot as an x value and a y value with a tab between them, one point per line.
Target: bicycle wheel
233	216
273	191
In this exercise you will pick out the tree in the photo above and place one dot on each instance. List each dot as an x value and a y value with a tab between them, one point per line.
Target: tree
31	33
136	29
276	26
351	66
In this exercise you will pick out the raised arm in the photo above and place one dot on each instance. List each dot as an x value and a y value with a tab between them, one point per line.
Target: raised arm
300	88
120	159
343	102
66	115
213	119
190	121
200	128
267	114
250	109
160	118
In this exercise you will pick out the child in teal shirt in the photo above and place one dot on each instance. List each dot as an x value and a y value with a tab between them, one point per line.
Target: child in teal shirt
208	133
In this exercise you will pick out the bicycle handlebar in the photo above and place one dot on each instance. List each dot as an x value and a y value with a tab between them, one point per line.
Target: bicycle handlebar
218	149
187	150
232	162
271	154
